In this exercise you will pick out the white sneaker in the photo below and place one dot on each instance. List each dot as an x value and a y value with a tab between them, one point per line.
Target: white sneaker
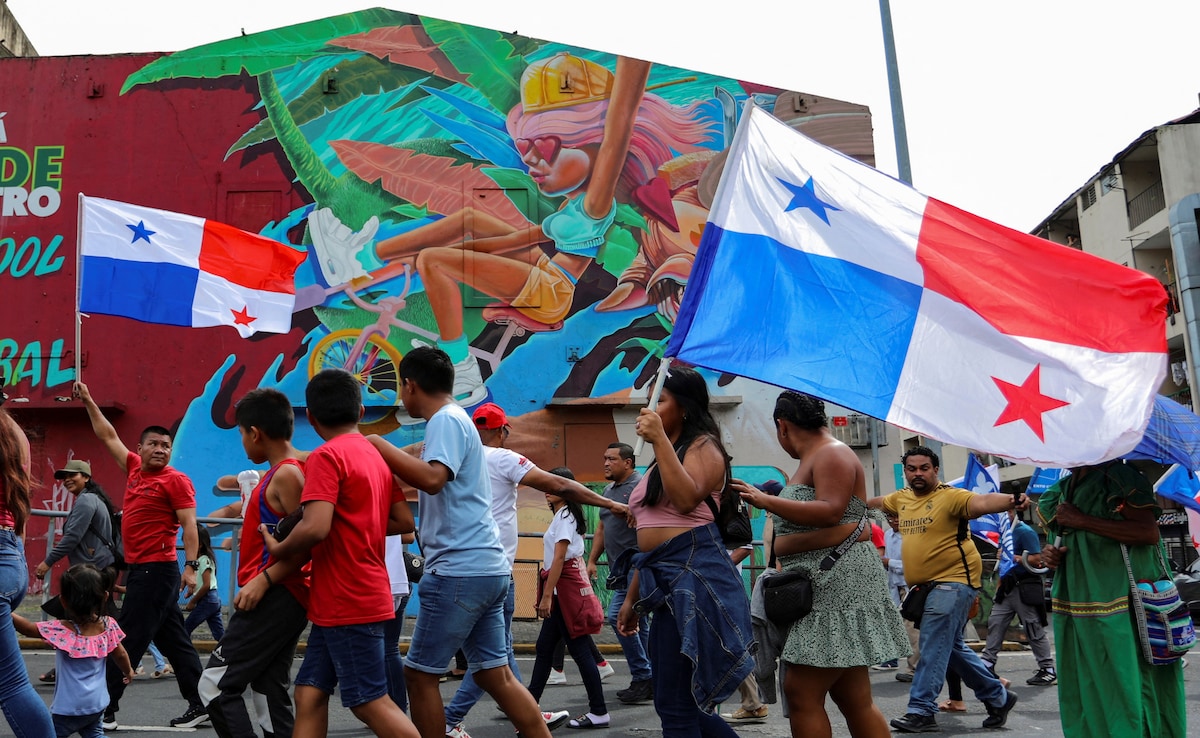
458	731
606	670
468	383
557	677
337	246
555	719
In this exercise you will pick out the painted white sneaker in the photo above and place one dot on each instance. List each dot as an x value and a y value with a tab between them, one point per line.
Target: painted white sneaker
557	677
555	719
337	246
468	383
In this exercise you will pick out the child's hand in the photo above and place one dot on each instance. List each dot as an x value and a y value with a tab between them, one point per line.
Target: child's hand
128	677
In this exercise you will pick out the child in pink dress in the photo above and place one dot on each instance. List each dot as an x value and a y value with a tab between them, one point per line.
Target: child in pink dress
83	641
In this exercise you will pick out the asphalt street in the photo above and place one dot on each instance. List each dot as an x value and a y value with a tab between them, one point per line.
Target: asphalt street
150	703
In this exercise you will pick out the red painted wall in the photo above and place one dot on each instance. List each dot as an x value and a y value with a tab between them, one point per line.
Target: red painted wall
163	147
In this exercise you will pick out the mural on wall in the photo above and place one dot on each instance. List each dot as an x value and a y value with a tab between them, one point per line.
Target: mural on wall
533	209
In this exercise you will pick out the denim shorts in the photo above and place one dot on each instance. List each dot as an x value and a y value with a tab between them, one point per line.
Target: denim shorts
460	612
349	657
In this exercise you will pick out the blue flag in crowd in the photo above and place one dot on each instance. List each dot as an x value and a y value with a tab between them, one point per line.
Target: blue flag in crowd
1043	479
995	528
1180	485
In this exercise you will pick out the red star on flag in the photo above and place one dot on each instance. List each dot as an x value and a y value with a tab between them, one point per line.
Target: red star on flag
243	316
1026	402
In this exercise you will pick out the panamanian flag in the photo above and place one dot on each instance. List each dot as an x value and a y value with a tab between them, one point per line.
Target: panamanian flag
820	274
162	267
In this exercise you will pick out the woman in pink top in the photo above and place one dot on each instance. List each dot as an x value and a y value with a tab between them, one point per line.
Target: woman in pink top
700	633
26	713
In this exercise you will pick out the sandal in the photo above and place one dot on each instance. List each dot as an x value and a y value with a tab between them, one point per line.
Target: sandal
583	722
953	706
48	677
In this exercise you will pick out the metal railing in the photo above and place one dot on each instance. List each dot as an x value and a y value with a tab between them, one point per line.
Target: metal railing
525	570
1145	204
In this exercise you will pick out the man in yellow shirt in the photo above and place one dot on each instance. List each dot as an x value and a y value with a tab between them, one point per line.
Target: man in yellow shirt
937	550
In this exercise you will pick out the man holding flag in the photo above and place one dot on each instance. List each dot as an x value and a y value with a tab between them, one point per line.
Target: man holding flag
1015	582
938	556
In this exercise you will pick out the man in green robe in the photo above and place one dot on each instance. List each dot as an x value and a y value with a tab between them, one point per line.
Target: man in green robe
1104	685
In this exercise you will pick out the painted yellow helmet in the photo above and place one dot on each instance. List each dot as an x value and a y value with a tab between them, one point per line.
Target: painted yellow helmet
561	81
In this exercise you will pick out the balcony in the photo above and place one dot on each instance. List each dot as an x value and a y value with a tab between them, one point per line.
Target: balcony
1145	204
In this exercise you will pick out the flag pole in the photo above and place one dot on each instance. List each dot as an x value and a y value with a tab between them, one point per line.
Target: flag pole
78	289
664	368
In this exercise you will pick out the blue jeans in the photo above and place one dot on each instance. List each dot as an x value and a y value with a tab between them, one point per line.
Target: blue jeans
87	726
460	612
942	645
469	691
391	656
635	646
673	698
27	715
207	610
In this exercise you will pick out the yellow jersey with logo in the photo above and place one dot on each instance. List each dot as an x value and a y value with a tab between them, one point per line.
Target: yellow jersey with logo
929	526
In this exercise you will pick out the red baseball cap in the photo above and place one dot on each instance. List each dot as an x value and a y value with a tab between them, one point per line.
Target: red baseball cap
489	416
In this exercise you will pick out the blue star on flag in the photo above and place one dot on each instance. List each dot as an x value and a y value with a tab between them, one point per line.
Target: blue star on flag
140	231
806	197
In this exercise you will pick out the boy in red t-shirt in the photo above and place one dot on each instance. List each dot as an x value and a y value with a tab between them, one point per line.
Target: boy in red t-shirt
349	509
270	609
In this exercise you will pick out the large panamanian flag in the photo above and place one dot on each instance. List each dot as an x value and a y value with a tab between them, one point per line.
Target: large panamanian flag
820	274
162	267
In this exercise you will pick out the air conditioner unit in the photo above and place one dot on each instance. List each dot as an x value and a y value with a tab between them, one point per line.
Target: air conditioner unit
855	430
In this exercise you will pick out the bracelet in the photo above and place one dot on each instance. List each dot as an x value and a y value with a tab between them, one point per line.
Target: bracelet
267	574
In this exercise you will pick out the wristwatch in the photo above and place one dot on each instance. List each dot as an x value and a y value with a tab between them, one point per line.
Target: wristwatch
194	563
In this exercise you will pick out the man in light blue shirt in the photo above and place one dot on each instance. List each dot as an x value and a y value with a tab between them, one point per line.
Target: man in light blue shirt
467	573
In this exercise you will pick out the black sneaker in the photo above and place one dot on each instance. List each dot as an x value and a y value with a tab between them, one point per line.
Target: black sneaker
109	722
639	691
916	723
194	716
904	676
997	716
1043	678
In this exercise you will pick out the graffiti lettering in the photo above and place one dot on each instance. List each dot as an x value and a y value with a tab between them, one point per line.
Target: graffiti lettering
42	201
19	260
43	169
18	364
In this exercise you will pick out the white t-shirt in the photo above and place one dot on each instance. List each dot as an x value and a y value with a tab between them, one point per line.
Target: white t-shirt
562	528
393	556
506	469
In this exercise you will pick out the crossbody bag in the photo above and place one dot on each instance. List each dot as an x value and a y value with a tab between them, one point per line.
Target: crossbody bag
788	596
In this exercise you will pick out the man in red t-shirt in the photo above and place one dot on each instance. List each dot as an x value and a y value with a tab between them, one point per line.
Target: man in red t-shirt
270	609
159	501
349	509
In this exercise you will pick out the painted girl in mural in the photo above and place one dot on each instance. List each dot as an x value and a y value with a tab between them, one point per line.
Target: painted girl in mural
557	131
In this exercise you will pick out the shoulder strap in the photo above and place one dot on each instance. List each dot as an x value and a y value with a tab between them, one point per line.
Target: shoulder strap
831	559
92	523
962	536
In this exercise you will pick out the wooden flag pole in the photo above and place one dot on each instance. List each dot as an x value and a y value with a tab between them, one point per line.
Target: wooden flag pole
664	368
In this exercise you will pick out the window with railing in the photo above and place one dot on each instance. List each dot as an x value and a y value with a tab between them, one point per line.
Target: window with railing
1145	204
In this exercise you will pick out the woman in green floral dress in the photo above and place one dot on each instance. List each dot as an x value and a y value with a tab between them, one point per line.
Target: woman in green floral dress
853	622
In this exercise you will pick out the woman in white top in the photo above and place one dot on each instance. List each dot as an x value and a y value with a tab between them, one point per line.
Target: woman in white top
563	567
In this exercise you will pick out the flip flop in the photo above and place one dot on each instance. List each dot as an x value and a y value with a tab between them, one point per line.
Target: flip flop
48	677
948	706
583	722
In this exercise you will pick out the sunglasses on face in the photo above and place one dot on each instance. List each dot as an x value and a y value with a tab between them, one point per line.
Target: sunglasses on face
546	147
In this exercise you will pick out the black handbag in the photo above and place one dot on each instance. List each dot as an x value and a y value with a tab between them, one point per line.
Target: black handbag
787	597
913	606
1031	591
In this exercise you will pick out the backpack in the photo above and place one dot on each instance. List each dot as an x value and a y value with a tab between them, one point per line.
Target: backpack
732	518
116	545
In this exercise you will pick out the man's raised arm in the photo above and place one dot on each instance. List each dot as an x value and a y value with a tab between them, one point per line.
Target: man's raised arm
103	429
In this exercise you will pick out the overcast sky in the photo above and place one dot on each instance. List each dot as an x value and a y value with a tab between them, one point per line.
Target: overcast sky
1009	106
